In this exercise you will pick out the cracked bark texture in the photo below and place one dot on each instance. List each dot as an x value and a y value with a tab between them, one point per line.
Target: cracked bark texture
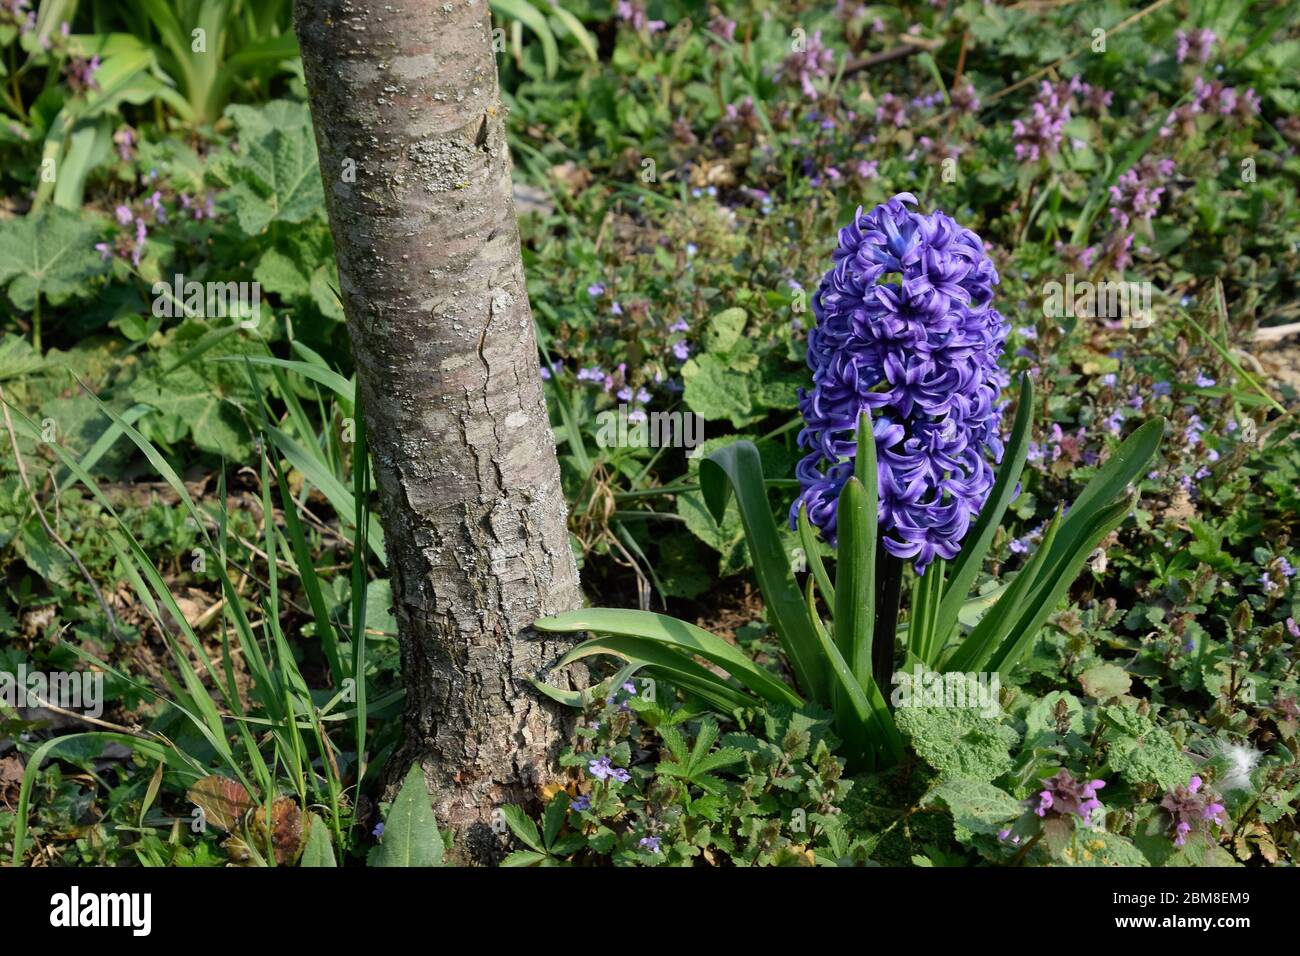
405	101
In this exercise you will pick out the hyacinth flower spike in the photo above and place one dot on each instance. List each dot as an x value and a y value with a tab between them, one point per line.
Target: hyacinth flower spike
906	476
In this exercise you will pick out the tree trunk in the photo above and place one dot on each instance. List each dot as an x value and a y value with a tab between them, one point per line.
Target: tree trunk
413	153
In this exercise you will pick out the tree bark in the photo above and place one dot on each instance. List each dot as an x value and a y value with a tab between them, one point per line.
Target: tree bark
411	134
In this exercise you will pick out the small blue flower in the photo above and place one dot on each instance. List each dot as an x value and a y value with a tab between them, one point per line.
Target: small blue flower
378	831
581	803
650	843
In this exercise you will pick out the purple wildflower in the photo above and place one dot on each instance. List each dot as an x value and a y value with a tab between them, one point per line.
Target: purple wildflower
81	73
813	62
964	98
125	141
603	769
1192	809
723	27
891	111
1136	194
1062	795
633	12
581	803
378	831
1202	40
922	355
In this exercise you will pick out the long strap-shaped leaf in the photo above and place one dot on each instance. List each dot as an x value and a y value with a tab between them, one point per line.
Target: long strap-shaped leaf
961	576
855	610
680	636
866	721
678	668
1058	581
923	637
814	558
738	468
1129	461
1123	467
987	636
854	579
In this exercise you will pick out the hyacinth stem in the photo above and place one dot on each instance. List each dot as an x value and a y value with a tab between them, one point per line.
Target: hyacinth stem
889	595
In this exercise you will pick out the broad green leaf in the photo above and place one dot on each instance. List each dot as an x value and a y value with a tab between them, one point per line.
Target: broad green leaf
17	357
1105	681
522	826
977	807
50	253
319	851
411	836
958	740
277	179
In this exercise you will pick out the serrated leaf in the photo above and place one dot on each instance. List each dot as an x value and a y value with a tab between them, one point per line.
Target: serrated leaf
277	179
958	740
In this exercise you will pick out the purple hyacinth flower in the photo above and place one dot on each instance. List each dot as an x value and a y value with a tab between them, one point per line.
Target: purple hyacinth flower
906	329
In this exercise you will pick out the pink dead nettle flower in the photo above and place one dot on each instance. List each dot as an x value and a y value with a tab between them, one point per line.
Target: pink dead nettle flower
866	169
124	139
80	73
1083	257
633	13
1193	810
199	208
891	111
1202	41
1041	134
1062	795
723	27
1210	98
964	99
813	62
1136	194
131	244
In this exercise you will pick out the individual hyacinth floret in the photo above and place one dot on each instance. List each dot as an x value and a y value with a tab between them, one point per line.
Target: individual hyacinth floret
905	328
